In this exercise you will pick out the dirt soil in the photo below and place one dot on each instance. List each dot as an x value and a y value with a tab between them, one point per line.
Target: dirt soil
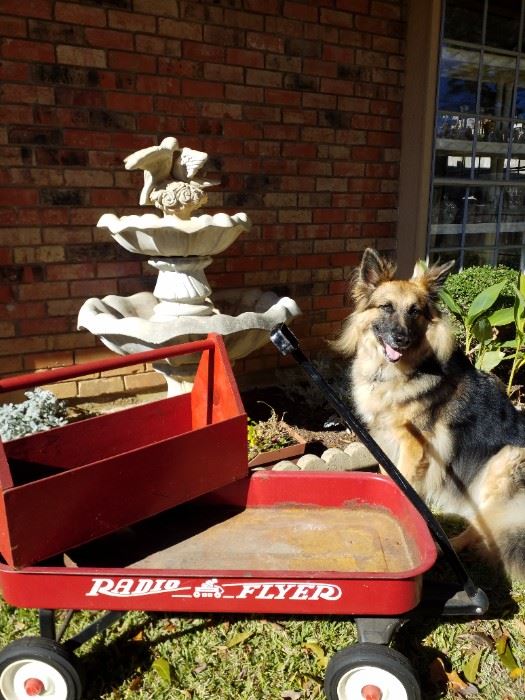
309	420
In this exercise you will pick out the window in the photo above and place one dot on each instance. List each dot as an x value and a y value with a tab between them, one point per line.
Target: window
477	206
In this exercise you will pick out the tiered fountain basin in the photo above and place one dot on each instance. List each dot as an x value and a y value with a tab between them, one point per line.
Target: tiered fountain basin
171	236
128	324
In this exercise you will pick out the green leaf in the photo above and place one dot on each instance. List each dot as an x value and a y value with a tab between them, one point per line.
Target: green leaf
506	656
521	283
502	317
450	303
471	666
490	359
482	329
484	300
519	310
163	668
239	638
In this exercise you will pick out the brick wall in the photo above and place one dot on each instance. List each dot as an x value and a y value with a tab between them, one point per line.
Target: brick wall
298	104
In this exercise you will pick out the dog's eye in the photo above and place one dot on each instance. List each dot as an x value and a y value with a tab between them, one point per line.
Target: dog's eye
387	308
414	310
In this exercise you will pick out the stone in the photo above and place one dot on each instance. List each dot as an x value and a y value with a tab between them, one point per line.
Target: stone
312	463
358	456
336	459
285	465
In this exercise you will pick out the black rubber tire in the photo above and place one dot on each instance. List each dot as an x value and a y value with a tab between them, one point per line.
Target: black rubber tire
46	651
376	656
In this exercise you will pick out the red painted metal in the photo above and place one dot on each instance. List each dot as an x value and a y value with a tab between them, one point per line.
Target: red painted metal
371	692
72	484
227	591
34	686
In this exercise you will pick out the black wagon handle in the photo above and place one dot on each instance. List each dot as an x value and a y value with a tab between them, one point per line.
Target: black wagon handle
472	599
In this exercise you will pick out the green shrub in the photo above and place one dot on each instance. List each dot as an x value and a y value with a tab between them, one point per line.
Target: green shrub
465	286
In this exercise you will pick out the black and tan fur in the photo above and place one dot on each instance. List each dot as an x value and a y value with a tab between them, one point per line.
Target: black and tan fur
450	428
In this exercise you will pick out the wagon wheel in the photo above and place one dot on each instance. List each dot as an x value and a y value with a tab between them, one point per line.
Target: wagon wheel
370	672
34	666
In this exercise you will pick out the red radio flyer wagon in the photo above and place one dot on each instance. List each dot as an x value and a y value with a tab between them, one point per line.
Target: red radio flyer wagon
152	508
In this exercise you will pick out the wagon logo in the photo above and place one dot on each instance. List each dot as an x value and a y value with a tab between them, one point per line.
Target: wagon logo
131	588
211	588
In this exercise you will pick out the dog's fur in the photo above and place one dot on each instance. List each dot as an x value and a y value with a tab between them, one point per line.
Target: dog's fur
450	428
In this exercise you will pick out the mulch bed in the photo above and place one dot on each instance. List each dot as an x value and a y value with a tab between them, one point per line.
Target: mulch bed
308	420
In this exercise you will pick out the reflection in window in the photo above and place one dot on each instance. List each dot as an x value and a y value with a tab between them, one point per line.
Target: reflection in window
477	212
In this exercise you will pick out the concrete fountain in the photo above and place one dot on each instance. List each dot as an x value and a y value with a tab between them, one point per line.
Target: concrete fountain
180	246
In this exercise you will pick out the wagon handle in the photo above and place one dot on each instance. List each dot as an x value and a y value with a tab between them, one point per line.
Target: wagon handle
477	603
26	381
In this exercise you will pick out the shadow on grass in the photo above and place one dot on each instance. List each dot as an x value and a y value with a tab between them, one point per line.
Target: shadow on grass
432	662
128	656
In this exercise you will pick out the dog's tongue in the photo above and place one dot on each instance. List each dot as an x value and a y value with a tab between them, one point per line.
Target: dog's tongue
392	354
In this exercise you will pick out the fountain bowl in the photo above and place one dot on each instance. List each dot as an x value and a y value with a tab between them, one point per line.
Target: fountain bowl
169	236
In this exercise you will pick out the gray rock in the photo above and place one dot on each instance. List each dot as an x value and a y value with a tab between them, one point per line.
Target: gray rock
336	459
285	466
359	456
312	463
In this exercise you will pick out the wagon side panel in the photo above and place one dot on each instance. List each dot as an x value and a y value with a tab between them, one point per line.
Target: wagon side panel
52	514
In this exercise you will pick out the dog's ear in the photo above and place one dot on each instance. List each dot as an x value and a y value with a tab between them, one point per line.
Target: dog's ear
432	278
373	271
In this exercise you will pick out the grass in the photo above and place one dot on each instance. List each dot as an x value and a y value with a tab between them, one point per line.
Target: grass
253	658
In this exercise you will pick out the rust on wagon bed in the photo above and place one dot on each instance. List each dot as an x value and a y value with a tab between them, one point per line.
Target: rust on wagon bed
295	538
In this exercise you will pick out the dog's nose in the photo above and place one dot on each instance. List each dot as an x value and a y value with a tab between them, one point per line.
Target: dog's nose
400	339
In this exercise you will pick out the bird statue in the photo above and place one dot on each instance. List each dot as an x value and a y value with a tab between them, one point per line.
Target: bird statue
170	181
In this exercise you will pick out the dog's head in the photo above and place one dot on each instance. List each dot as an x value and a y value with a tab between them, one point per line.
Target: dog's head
397	311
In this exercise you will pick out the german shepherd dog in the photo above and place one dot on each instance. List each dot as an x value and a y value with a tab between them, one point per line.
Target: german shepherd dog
451	429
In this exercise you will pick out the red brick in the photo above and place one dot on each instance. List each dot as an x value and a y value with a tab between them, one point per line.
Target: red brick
227	74
241	93
132	21
13	26
43	326
41	9
11	71
17	196
180	30
202	89
80	14
301	11
109	39
124	102
244	57
265	42
29	50
335	18
130	61
93	288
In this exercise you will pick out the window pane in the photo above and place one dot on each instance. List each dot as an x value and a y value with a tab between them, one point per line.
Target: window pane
482	205
458	79
478	257
497	83
503	23
513	205
511	237
479	145
464	20
520	91
443	256
447	204
511	258
493	131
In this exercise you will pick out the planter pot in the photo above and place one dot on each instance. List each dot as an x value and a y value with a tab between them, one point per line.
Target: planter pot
266	459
